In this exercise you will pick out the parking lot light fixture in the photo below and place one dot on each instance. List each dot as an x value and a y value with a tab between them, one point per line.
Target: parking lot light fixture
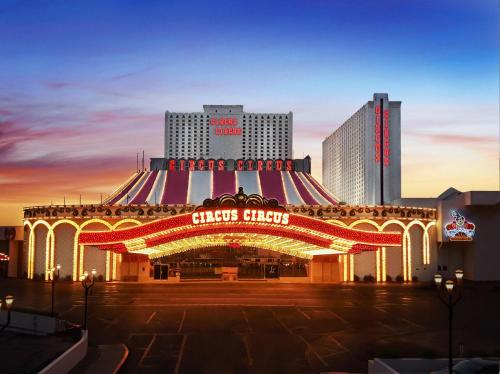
9	300
438	278
449	285
53	278
87	283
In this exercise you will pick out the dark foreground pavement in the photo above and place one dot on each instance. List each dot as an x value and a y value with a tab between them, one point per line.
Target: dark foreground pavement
21	353
271	327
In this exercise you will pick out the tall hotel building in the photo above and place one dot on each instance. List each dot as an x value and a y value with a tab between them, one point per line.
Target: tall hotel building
362	158
226	131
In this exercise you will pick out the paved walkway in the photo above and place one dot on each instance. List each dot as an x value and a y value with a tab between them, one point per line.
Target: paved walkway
20	353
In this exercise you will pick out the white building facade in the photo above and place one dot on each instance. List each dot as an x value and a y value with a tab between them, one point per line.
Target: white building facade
362	158
226	131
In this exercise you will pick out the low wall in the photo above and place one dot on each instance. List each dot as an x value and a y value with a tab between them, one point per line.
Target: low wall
69	359
29	323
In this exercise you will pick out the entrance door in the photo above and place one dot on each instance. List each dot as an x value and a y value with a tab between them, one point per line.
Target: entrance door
272	271
160	271
157	271
163	271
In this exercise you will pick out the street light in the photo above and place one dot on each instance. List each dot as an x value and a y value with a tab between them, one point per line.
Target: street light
438	278
450	293
58	268
93	272
87	284
449	285
9	300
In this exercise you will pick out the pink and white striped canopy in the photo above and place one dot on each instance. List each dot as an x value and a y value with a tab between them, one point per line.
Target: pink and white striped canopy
192	187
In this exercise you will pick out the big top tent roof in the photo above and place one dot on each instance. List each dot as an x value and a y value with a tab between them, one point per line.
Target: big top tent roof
192	187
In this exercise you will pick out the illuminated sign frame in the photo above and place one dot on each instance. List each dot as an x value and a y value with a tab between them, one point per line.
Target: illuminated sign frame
248	220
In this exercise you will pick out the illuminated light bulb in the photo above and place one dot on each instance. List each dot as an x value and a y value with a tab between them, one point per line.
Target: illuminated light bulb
438	278
9	300
449	285
459	273
58	267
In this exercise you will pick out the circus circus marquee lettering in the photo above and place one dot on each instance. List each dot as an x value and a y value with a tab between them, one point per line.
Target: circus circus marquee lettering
240	215
459	229
239	165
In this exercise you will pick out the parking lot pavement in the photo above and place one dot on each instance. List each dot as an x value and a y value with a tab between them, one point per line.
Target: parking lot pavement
272	327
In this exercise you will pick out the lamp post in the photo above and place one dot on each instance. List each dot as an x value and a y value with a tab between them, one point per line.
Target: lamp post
87	283
58	268
9	300
93	272
450	293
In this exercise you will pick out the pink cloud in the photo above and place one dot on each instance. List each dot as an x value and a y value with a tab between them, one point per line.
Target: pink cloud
36	181
447	138
116	116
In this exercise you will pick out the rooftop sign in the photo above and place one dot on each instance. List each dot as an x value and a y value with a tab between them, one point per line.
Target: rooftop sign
225	126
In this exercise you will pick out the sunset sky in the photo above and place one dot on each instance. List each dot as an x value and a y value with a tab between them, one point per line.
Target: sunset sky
85	84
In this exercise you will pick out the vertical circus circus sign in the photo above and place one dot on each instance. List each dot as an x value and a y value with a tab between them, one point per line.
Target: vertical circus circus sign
386	137
377	134
384	133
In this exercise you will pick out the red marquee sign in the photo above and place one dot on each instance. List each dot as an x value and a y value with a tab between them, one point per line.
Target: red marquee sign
271	222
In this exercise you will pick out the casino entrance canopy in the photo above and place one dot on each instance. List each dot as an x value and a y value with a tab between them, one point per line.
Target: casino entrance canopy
240	220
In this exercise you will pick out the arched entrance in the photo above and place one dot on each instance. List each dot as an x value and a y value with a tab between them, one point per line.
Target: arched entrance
241	221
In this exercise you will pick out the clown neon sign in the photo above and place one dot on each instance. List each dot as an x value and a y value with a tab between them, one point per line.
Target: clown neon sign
238	215
459	229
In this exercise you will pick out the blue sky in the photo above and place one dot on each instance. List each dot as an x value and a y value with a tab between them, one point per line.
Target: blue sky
87	81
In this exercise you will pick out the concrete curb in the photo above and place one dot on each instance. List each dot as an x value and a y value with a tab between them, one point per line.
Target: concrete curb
69	359
124	358
111	358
